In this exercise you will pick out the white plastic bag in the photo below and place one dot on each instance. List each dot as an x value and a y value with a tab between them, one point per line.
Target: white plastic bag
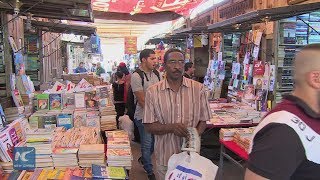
184	166
126	124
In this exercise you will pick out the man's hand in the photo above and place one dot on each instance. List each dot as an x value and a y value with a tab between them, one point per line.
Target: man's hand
179	129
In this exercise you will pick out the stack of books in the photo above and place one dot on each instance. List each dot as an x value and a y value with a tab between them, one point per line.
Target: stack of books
42	147
13	113
118	149
107	172
91	154
7	166
108	118
65	157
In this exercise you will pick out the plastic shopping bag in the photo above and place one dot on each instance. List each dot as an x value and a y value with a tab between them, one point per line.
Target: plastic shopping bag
190	166
126	124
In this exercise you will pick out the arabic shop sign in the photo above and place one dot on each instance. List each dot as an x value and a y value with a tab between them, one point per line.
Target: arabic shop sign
145	6
130	45
236	9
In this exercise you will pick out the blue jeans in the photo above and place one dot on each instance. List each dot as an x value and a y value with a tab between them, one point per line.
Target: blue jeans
147	146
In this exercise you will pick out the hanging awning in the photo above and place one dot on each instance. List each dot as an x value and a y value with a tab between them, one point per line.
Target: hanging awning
77	10
64	28
244	22
167	39
191	30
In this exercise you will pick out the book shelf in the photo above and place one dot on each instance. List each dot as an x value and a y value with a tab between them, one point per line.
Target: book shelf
292	35
32	57
3	89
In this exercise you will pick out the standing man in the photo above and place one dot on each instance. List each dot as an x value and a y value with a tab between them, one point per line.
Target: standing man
100	69
172	106
80	68
188	70
139	86
286	143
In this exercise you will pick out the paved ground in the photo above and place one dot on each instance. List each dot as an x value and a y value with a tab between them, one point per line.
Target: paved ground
231	172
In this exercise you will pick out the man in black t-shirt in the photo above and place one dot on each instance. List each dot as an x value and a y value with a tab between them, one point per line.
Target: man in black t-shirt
286	144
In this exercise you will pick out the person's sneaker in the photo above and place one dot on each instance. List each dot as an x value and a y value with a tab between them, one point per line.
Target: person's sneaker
152	177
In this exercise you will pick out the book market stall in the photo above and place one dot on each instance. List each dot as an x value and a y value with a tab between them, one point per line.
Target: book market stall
72	134
254	79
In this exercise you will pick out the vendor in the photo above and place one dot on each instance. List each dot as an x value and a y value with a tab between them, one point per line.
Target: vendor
80	68
100	69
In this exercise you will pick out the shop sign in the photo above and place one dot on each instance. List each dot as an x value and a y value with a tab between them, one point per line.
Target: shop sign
236	9
130	45
145	6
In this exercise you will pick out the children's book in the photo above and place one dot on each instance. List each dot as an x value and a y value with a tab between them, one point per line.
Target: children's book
55	101
43	101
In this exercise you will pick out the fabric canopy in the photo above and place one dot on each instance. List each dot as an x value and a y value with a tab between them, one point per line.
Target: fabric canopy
145	6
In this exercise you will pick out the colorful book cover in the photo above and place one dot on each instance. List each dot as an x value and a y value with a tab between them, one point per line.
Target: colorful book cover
6	144
49	122
17	127
43	101
79	119
78	172
44	174
17	98
258	82
65	120
68	173
79	100
34	122
102	92
68	100
87	173
13	136
55	101
52	173
65	150
91	99
108	172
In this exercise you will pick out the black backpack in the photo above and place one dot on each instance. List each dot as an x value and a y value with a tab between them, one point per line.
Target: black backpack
131	104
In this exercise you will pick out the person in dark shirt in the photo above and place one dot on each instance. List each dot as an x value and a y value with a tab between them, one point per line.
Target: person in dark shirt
188	70
118	95
80	68
286	143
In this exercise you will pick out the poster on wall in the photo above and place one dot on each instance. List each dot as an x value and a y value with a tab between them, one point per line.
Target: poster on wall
130	45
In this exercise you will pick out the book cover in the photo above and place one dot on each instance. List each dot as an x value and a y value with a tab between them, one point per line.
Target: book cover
108	172
79	100
13	135
68	100
102	92
43	101
34	122
79	119
17	127
36	174
55	101
6	144
17	98
65	120
27	175
44	173
68	173
91	99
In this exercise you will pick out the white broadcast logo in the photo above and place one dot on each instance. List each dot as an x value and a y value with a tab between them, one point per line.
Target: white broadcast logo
22	156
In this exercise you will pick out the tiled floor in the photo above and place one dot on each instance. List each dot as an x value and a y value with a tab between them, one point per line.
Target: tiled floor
231	172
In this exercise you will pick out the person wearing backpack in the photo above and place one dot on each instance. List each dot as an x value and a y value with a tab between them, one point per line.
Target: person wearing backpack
141	79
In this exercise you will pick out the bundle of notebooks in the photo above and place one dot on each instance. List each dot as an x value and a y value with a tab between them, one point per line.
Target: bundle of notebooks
118	149
91	154
65	157
41	141
107	172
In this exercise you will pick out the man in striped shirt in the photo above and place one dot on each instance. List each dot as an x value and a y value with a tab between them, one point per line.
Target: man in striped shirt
171	106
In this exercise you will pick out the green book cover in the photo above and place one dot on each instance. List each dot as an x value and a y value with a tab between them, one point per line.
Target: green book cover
43	101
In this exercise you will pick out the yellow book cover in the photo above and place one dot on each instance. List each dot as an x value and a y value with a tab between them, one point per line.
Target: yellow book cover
87	173
116	172
44	174
61	174
52	173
